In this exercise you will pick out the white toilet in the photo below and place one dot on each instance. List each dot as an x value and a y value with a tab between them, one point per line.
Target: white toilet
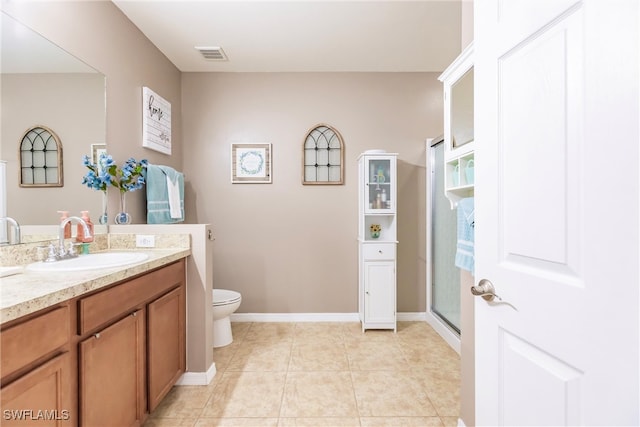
225	302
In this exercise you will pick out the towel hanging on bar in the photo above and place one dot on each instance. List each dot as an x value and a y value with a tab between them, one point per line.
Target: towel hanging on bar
165	195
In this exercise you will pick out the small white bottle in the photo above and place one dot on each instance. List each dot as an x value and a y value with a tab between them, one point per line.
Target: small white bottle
384	196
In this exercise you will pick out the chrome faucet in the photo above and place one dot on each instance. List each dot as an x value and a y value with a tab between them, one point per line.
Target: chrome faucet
61	252
16	229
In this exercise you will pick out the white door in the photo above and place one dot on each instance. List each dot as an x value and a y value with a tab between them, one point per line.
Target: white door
557	216
380	298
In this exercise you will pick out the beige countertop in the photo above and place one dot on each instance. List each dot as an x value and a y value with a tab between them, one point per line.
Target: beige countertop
30	291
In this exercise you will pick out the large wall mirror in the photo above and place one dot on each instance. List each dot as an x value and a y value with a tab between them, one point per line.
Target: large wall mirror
43	85
462	110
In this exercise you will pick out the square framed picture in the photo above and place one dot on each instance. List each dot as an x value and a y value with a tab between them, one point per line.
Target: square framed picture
250	163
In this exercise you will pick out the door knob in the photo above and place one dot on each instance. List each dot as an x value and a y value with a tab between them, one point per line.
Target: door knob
485	289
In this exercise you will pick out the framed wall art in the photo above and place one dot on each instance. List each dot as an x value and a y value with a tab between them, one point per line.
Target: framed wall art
156	122
96	151
251	163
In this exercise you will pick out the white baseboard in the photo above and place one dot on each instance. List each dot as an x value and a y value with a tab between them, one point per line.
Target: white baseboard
419	316
198	378
295	317
316	317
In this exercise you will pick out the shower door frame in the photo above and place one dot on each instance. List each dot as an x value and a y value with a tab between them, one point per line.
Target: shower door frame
437	323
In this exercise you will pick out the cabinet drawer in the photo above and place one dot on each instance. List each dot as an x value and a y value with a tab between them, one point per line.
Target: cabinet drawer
27	342
379	251
107	305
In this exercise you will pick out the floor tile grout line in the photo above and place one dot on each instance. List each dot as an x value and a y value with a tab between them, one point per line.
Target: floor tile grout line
346	336
286	377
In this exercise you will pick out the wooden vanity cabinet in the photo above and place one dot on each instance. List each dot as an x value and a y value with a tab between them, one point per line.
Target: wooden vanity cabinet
36	373
132	347
111	374
165	344
41	397
106	358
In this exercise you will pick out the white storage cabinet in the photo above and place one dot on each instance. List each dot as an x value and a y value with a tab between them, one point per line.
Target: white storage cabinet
377	251
459	142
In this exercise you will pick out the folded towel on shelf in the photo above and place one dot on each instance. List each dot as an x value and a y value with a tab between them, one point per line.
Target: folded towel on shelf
165	195
465	250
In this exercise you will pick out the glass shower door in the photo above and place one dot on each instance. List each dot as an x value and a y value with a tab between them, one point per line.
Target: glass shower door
445	276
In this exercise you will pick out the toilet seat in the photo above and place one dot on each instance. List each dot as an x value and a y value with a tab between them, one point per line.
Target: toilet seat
225	297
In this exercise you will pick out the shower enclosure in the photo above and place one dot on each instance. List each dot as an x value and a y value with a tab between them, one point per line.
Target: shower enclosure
443	277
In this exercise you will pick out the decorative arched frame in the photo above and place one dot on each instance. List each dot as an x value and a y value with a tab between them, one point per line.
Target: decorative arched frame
40	154
323	157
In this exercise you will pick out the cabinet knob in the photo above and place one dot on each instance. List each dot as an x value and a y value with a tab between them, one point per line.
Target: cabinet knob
96	336
134	314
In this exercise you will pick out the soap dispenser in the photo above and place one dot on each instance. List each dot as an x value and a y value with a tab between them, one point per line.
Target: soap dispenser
67	228
80	237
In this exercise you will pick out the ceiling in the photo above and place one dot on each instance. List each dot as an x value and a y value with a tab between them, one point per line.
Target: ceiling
302	35
25	51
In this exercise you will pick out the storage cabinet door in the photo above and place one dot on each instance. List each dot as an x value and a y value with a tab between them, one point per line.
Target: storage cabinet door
380	292
41	397
166	344
112	374
379	185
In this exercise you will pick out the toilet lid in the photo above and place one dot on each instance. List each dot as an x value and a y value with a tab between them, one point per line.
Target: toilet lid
224	296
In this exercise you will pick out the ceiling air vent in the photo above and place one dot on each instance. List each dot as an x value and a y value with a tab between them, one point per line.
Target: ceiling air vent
212	53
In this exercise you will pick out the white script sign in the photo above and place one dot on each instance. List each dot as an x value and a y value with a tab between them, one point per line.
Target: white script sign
156	122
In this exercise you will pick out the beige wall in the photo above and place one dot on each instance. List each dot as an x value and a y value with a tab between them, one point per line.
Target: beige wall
100	35
290	248
466	24
71	105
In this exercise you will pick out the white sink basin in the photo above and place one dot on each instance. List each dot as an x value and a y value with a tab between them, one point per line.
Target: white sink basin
90	262
8	271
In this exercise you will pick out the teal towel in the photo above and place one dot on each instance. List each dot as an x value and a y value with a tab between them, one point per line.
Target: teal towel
464	250
158	208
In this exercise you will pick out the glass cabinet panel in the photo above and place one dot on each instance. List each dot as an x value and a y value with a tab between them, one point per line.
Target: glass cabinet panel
379	193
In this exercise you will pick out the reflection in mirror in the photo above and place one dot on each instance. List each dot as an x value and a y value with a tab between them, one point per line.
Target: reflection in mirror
462	110
43	85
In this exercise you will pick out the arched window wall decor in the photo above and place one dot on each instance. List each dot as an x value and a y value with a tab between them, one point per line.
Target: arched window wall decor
323	157
40	158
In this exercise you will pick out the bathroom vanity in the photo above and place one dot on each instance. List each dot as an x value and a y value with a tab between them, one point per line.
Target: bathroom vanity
106	355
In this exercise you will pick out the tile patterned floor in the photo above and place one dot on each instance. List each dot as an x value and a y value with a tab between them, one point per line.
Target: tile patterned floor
322	375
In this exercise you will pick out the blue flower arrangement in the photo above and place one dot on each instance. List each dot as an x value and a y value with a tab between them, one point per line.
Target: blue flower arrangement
129	177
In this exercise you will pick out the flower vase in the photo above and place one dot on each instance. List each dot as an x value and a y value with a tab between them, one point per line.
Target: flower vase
104	217
122	217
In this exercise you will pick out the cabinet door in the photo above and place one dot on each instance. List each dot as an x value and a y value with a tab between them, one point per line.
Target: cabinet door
112	373
380	293
166	344
41	397
379	186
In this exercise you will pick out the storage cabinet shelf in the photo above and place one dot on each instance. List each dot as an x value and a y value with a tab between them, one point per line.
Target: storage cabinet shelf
377	239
